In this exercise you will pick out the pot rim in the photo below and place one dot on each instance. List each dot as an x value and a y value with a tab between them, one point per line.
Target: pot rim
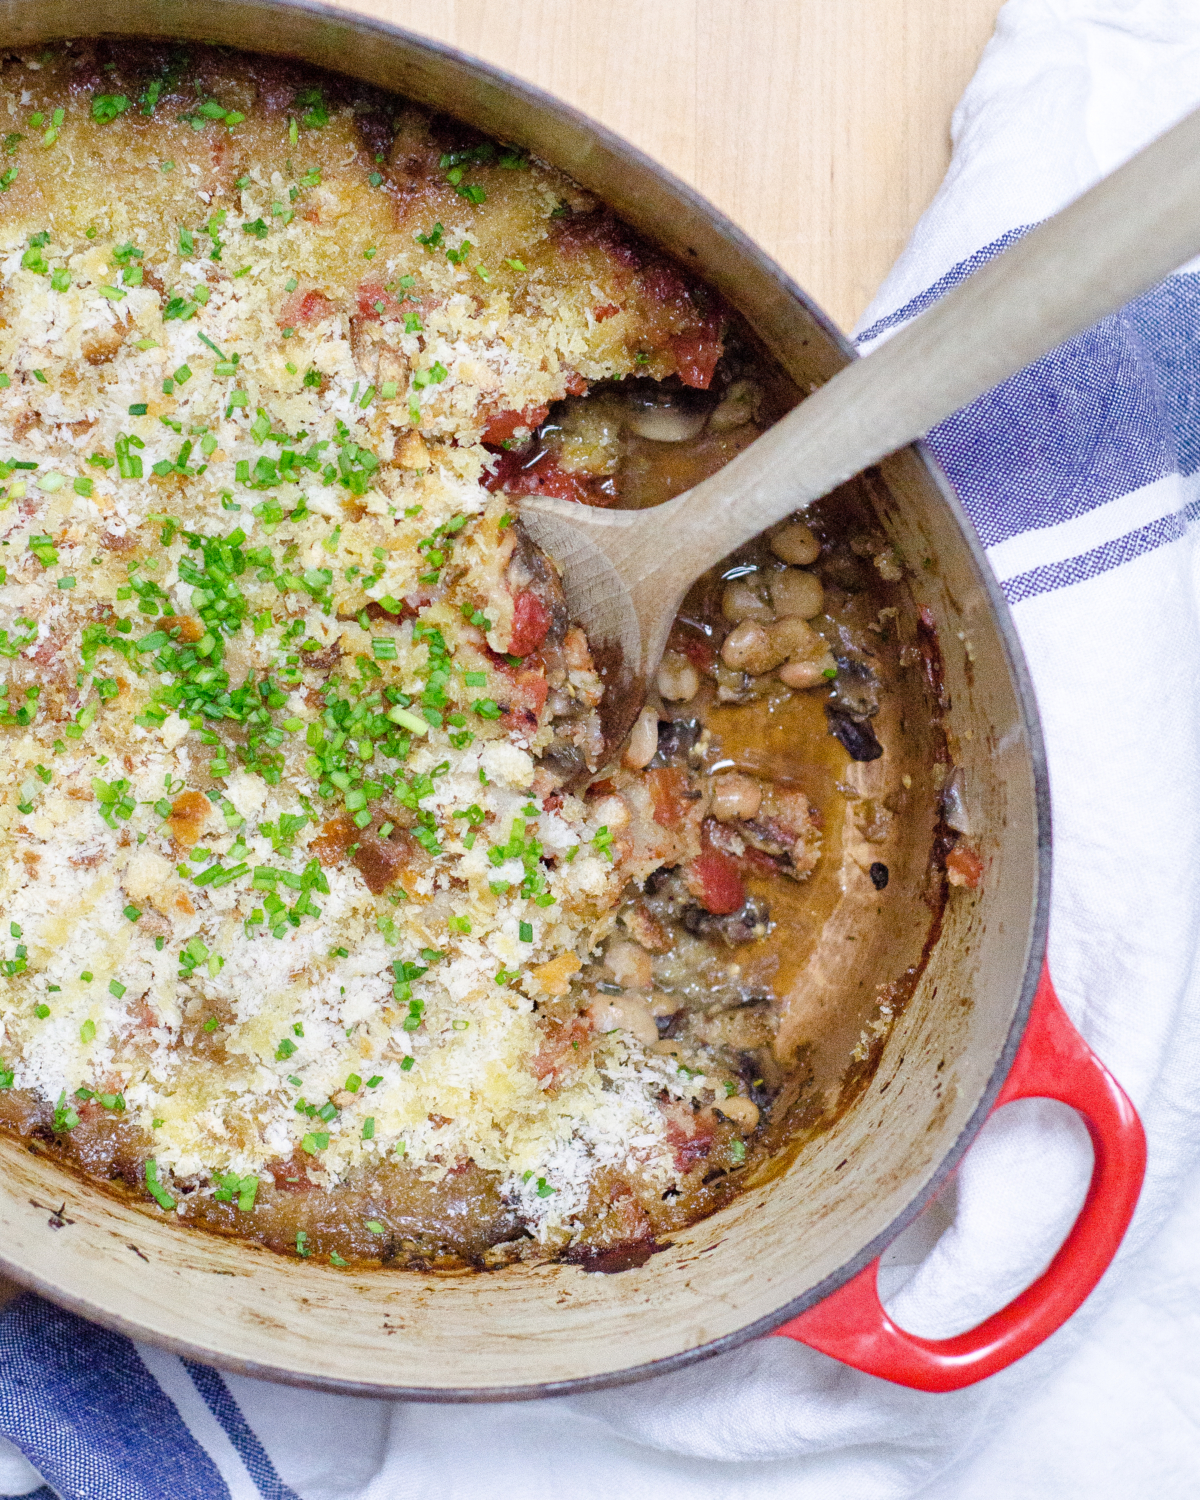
1001	613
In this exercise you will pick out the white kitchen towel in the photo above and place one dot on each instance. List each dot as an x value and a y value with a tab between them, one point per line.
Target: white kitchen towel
1081	476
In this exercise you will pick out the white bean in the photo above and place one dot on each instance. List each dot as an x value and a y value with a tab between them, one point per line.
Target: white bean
736	407
747	648
677	680
643	740
665	422
795	638
630	965
623	1013
803	674
796	593
796	544
735	797
743	1112
740	602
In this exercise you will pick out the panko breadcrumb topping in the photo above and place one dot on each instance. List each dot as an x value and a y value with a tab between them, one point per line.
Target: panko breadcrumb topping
282	888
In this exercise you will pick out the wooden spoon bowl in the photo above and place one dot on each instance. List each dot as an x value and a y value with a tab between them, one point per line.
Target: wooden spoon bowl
625	573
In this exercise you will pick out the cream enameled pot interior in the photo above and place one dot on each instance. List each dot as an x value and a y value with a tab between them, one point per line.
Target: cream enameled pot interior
781	1245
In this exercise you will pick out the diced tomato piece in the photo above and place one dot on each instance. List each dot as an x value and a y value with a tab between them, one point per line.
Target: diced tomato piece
531	621
668	792
605	310
545	477
564	1050
696	354
308	306
600	231
508	467
370	295
689	1135
501	427
698	649
524	700
964	867
550	478
575	383
290	1176
713	878
662	283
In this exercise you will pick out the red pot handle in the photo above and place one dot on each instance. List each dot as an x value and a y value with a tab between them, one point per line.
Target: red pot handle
1053	1062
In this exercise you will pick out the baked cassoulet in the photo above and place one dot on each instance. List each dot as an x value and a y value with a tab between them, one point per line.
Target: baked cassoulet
324	925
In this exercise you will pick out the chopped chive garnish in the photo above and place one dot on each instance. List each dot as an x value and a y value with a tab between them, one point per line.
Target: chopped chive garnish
155	1188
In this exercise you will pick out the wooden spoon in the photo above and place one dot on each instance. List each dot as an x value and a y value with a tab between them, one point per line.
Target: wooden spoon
625	572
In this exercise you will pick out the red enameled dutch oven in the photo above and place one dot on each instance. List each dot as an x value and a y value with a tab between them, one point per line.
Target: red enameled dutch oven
796	1255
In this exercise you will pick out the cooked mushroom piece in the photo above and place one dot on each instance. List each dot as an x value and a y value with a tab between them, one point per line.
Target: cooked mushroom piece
665	414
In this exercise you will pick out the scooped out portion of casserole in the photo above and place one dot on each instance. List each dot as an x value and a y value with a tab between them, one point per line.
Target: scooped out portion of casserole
323	923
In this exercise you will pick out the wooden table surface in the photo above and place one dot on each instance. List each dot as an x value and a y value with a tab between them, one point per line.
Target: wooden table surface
821	126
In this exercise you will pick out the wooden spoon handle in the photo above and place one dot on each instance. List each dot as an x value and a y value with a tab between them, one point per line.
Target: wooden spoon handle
1111	244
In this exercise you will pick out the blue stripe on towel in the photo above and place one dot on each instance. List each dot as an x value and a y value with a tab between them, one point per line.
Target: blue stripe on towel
220	1402
942	285
1079	428
1101	416
1167	320
89	1416
1100	559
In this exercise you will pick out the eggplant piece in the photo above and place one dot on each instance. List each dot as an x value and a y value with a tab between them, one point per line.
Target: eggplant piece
741	926
855	734
855	689
675	739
